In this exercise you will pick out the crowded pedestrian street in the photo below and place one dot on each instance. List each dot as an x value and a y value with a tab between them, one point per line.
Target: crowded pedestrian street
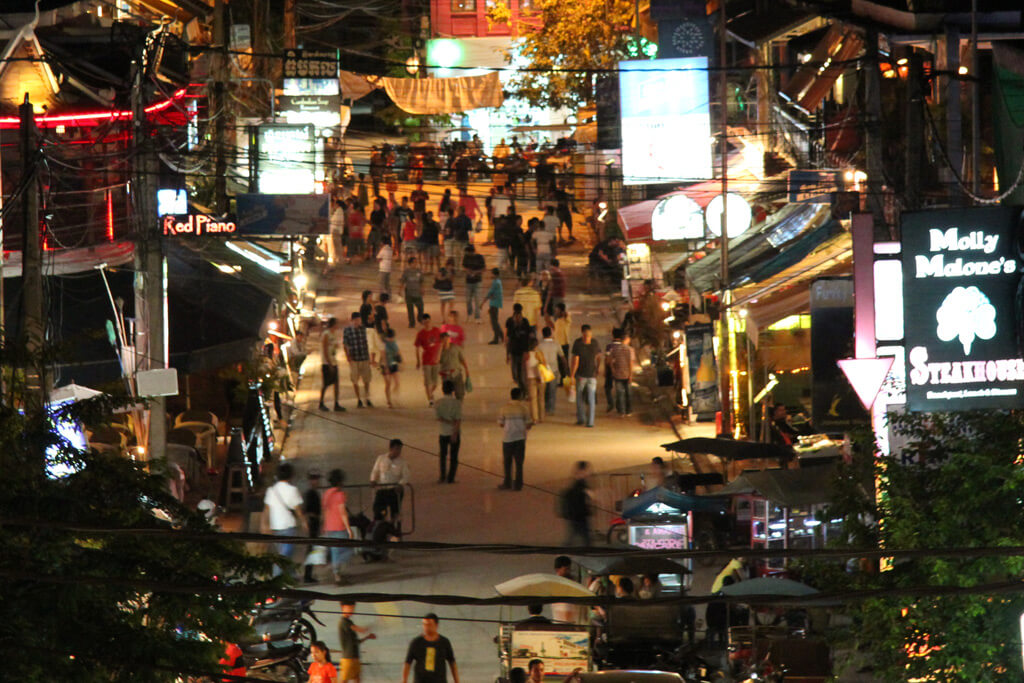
472	509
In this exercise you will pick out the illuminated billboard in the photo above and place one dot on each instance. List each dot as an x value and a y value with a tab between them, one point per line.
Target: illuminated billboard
666	121
961	271
286	162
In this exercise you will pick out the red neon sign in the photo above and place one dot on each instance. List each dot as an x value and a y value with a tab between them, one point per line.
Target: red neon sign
91	118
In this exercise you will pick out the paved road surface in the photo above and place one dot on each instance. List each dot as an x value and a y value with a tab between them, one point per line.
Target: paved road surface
473	509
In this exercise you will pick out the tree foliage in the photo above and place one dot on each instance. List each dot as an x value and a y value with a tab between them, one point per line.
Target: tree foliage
573	44
958	482
87	606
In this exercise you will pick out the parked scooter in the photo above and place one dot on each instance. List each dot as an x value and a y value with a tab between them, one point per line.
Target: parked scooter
285	619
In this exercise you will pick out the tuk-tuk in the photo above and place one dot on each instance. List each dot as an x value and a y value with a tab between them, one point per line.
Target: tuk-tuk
563	647
635	635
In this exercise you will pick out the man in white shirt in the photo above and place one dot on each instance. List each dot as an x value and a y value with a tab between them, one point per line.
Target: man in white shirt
282	511
390	473
386	257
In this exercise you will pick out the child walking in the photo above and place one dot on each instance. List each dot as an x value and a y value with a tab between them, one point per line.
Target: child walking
321	670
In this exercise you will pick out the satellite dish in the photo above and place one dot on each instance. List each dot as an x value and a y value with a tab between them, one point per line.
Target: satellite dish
738	217
677	218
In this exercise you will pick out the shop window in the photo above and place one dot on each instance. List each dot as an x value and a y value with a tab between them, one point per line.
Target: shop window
463	5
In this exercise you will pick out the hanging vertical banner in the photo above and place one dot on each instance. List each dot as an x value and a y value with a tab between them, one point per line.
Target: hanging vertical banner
700	356
834	404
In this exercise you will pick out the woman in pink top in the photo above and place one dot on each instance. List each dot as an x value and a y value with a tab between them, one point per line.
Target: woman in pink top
336	523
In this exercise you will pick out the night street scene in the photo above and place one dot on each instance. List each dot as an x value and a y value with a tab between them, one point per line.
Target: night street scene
507	341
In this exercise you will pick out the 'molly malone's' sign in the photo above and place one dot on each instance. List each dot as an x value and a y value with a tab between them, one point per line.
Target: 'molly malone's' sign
961	270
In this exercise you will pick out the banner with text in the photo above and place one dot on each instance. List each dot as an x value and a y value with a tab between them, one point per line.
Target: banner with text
961	273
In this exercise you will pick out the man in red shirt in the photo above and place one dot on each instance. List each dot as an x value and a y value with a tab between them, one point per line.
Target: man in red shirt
453	327
428	353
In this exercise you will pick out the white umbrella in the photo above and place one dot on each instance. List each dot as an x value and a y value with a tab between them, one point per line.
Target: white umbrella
72	392
541	585
769	586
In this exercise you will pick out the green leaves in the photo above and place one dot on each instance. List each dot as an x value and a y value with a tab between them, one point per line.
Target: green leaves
84	605
574	43
957	483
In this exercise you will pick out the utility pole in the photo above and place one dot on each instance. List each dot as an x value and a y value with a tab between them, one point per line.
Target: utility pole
150	325
975	104
33	313
220	103
954	122
873	105
725	376
289	24
914	133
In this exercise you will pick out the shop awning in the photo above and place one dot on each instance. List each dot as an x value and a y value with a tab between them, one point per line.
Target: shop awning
788	488
215	318
781	231
251	263
787	291
427	96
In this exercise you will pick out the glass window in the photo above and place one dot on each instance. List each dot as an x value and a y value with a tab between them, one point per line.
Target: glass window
463	5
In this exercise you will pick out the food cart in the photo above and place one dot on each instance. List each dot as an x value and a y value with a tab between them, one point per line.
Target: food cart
786	510
563	647
662	519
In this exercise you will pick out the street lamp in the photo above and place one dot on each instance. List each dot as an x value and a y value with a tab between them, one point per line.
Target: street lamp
412	65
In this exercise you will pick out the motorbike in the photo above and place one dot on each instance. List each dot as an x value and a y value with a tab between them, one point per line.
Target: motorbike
285	619
274	661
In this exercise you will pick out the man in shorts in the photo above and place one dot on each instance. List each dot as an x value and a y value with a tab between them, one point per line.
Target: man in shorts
329	360
360	356
348	636
428	355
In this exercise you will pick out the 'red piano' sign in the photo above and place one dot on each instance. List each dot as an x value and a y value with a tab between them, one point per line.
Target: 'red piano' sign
197	225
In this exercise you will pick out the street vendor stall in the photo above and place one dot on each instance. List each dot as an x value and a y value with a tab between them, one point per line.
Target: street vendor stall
786	509
563	647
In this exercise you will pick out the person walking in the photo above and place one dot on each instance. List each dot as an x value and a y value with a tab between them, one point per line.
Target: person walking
428	354
557	363
473	264
517	343
449	415
360	356
445	291
452	365
576	507
515	422
336	521
542	239
385	257
585	363
461	228
430	655
282	512
348	636
495	300
622	362
412	284
532	362
390	365
329	363
530	300
562	329
429	242
389	474
556	295
312	506
452	325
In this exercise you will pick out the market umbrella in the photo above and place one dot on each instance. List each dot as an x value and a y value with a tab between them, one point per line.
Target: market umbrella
660	501
631	566
730	449
769	586
72	392
542	585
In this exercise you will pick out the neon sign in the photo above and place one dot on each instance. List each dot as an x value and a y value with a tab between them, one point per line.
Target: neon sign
197	225
961	272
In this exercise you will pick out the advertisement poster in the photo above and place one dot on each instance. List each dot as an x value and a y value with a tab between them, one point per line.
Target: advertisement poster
286	162
834	404
563	651
666	120
700	357
961	272
288	215
659	536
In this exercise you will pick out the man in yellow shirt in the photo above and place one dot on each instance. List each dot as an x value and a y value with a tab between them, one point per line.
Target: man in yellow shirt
530	299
